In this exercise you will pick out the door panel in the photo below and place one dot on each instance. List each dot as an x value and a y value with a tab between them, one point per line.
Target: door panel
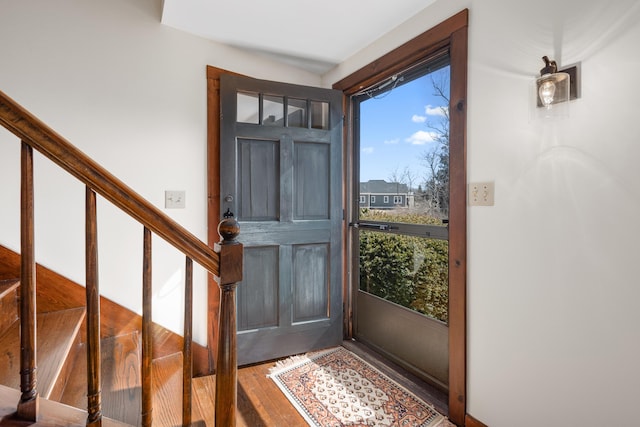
386	329
281	164
311	183
258	179
258	305
311	282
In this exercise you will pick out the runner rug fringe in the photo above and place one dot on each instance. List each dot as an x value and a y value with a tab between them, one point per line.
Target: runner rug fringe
334	387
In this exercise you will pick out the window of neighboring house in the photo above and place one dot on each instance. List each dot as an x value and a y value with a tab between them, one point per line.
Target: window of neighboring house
363	199
397	200
386	199
373	199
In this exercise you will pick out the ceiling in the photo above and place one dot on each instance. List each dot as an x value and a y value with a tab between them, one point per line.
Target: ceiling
314	36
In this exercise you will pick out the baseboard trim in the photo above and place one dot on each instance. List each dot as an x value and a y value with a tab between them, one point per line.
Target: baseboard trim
469	421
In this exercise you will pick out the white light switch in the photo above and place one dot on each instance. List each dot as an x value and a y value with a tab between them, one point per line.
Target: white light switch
174	199
481	194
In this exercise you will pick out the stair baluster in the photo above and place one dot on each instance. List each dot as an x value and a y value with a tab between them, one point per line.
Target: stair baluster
28	405
187	364
94	381
147	334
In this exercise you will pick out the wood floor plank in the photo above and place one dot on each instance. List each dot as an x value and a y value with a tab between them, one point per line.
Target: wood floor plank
260	402
263	404
56	332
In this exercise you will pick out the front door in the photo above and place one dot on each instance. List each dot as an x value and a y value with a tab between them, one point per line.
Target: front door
281	165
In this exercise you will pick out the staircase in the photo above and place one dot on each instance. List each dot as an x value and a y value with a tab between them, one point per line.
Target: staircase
62	373
58	359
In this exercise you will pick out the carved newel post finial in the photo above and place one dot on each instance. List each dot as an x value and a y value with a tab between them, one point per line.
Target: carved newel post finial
228	229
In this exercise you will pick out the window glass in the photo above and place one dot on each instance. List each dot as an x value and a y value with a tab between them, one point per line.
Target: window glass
403	137
273	110
319	115
248	107
297	112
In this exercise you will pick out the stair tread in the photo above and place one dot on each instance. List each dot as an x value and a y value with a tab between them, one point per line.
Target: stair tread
51	413
7	285
204	394
55	334
120	376
167	390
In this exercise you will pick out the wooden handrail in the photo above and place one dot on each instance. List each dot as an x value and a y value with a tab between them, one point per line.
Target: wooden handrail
225	263
41	137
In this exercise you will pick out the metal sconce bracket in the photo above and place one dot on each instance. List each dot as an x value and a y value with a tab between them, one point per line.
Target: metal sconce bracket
574	80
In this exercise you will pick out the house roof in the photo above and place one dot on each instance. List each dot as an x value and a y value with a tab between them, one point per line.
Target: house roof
381	186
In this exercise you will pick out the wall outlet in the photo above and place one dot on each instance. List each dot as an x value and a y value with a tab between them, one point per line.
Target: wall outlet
174	199
481	194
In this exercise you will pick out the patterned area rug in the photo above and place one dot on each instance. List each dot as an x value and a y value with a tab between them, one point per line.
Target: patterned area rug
335	388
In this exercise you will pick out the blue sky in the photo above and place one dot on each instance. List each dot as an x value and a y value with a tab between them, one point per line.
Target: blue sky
394	132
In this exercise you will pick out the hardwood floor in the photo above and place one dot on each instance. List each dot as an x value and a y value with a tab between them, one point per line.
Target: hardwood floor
260	401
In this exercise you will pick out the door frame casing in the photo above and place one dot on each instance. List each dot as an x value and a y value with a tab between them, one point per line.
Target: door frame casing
451	34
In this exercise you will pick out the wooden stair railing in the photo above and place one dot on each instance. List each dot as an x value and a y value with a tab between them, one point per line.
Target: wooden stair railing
224	262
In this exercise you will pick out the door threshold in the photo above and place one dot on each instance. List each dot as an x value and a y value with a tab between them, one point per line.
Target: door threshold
411	382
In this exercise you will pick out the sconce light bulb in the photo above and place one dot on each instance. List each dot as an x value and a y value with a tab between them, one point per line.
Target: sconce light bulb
547	91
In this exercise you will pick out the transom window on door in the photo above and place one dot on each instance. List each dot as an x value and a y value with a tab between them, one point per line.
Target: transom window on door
273	110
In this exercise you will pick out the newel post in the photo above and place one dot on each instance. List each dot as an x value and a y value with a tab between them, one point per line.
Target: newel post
227	361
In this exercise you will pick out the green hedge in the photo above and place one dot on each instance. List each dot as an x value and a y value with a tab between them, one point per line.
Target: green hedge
410	271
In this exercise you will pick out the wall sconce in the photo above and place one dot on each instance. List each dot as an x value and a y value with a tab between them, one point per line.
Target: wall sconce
556	87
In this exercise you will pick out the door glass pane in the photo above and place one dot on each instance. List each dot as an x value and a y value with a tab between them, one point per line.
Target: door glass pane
404	179
297	112
273	110
248	107
319	115
409	271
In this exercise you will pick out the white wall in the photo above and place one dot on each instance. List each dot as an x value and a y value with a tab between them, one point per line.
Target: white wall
553	287
131	93
553	291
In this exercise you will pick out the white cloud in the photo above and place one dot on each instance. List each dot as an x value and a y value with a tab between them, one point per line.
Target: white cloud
392	141
421	138
430	110
367	150
418	119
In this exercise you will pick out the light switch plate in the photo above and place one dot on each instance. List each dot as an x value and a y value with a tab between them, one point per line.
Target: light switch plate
481	194
174	199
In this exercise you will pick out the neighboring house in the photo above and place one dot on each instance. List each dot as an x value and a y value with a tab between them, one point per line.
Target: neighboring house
380	194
